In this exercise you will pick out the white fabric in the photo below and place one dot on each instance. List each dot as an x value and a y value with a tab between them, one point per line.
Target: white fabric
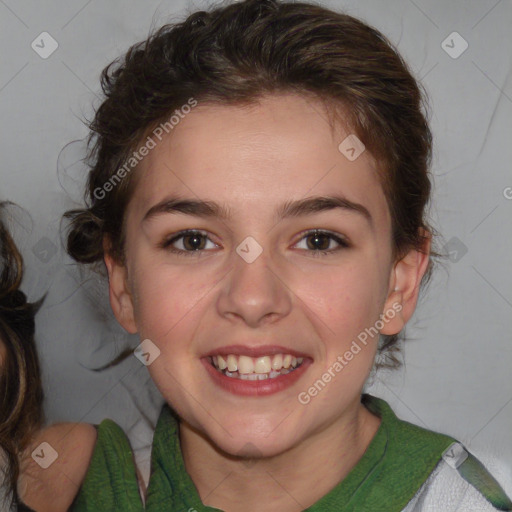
446	491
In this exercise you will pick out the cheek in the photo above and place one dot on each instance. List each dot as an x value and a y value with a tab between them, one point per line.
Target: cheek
346	299
345	303
168	302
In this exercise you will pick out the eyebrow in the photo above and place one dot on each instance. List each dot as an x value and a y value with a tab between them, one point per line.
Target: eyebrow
297	208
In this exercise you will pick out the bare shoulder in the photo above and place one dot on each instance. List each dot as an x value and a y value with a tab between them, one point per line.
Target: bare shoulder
54	466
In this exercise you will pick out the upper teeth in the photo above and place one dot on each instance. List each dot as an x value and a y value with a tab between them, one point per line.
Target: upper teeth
263	364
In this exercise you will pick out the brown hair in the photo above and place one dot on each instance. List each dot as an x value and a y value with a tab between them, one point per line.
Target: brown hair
234	54
21	392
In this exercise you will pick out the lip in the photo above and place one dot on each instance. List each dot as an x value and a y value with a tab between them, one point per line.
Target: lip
255	387
259	351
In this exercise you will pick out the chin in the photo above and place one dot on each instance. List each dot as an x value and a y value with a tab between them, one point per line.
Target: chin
251	446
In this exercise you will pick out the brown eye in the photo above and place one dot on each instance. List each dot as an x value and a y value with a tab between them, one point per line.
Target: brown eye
187	243
193	242
320	242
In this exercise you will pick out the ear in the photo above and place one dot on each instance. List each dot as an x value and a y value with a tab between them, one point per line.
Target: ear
404	286
119	290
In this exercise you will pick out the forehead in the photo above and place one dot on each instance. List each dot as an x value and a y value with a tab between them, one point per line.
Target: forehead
257	156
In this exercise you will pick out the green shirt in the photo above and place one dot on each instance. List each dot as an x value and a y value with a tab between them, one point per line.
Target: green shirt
398	460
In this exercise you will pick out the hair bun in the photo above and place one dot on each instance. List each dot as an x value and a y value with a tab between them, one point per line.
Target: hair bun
84	239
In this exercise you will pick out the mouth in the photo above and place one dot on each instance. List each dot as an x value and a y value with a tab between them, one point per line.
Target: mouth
255	372
255	368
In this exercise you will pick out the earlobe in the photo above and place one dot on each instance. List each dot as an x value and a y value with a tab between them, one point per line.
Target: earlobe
404	287
119	292
392	316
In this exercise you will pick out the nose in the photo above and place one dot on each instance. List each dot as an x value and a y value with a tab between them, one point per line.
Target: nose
254	292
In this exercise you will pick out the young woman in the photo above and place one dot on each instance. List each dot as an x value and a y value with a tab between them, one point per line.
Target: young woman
22	431
258	190
21	393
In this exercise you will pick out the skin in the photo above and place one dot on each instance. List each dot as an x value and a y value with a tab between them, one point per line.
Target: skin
53	489
251	159
254	159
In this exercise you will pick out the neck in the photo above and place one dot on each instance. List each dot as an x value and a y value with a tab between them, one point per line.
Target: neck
289	482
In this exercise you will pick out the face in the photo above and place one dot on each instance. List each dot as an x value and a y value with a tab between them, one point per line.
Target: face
251	278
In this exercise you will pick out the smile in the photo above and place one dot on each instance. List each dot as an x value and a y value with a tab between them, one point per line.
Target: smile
256	372
255	368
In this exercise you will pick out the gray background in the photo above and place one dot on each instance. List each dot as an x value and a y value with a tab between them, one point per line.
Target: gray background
457	375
